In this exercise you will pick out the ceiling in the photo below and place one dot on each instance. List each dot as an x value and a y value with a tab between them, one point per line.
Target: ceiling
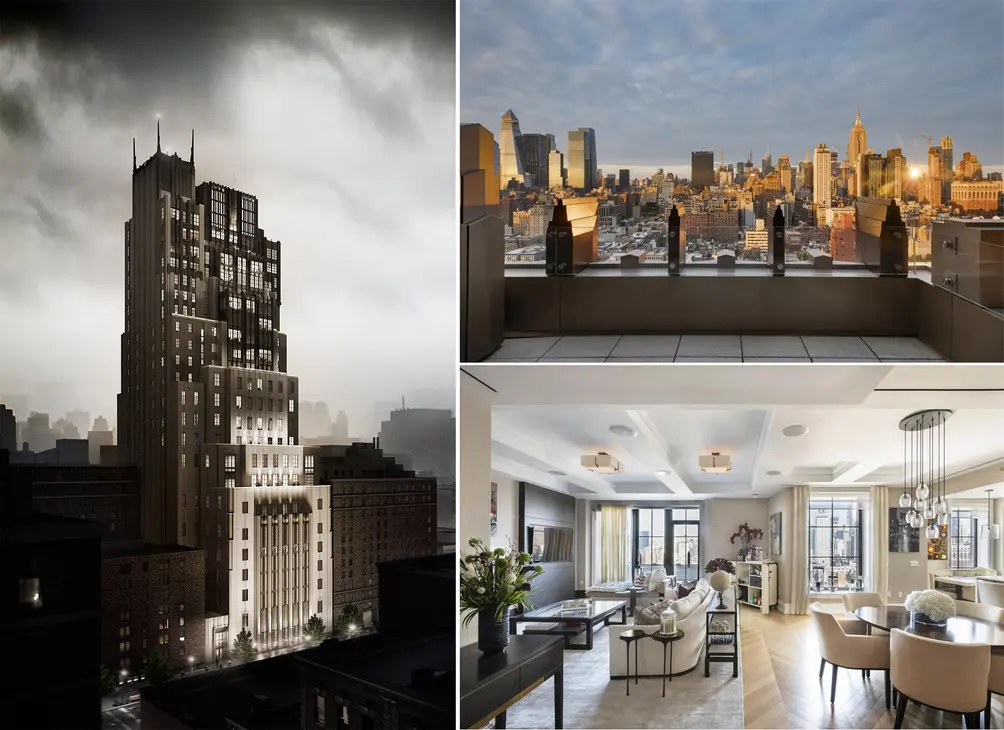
544	417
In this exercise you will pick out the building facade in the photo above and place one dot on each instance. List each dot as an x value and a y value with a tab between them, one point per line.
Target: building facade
821	164
857	143
511	164
207	410
977	196
702	169
536	150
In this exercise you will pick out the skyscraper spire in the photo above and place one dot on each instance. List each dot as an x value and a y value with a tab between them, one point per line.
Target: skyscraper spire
858	119
134	154
158	134
192	159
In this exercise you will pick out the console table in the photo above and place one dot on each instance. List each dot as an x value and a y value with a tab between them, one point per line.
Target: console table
491	683
722	645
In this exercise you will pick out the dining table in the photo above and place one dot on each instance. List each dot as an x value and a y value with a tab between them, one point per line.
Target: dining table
959	630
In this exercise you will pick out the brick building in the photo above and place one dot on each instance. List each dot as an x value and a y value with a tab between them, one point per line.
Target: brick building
153	600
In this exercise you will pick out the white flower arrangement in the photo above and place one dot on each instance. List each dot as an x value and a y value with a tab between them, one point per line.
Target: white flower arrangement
935	604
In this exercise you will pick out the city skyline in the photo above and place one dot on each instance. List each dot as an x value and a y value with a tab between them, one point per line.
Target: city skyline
359	253
728	86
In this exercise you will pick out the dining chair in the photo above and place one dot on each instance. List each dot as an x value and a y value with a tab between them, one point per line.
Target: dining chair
983	611
854	601
942	675
843	644
990	592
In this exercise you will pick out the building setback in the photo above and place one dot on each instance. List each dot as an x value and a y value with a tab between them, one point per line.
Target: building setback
207	410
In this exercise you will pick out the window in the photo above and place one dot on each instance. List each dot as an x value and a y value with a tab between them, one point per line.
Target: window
319	709
244	533
835	545
244	594
244	554
216	381
244	507
230	462
291	405
962	539
669	539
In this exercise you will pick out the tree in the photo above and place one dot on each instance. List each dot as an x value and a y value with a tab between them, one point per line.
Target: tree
157	669
244	645
107	682
314	628
351	618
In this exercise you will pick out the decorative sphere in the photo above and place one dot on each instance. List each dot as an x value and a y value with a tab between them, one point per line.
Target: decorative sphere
922	491
929	512
905	500
720	580
933	532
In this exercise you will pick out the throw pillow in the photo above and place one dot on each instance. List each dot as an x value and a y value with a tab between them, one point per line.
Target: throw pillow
641	581
686	588
655	581
645	616
670	595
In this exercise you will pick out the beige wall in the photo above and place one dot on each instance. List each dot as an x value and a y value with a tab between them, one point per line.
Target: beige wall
721	518
474	488
904	577
781	502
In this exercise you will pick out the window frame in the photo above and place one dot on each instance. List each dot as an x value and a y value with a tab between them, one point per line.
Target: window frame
669	561
954	539
828	585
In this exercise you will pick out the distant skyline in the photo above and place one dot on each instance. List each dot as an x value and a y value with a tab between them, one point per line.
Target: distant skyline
354	172
658	81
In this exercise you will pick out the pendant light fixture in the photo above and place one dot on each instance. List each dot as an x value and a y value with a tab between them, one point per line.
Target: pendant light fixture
924	470
991	530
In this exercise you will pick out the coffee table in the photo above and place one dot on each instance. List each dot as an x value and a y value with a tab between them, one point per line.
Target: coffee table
571	618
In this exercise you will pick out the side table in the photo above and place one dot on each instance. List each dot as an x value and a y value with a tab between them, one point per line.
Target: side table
665	639
629	637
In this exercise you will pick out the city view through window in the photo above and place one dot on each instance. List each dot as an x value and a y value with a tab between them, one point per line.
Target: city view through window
729	111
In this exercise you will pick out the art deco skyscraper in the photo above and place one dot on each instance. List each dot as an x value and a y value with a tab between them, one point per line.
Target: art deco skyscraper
511	165
857	145
821	166
207	410
947	169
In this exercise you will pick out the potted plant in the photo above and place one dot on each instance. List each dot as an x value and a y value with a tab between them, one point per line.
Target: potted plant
746	535
492	584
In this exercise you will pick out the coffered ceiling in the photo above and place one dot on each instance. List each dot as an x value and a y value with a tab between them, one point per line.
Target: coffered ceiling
545	417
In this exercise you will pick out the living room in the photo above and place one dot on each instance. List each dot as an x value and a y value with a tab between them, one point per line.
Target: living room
791	479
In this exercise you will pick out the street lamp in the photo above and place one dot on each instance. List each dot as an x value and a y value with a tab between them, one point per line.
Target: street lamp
191	663
124	674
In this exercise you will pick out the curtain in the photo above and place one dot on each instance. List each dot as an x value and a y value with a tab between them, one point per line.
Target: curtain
799	551
880	541
613	542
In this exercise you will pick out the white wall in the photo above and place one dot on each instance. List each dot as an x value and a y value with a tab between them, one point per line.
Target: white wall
507	529
721	518
474	485
781	502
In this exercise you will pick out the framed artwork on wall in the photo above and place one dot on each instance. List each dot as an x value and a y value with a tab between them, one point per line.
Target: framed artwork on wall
902	537
775	534
495	507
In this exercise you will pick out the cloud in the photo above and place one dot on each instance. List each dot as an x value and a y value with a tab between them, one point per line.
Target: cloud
657	81
338	116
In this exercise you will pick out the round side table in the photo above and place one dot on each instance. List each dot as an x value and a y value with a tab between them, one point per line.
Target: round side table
629	637
665	640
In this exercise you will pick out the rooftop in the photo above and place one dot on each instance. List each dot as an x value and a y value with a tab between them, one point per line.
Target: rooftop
136	548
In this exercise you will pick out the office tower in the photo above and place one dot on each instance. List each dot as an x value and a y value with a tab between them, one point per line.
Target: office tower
858	142
785	171
552	144
932	188
766	165
969	167
821	165
511	165
556	170
947	169
895	174
536	150
582	163
871	176
623	180
8	429
702	169
207	410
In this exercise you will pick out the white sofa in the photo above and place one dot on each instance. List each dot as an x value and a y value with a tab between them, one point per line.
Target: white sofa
690	618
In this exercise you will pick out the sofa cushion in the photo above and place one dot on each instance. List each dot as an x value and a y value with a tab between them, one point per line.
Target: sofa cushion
645	616
641	581
685	606
685	589
655	580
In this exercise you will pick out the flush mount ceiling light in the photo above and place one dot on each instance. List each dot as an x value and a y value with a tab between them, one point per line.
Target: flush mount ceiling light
773	473
557	473
624	431
796	430
662	473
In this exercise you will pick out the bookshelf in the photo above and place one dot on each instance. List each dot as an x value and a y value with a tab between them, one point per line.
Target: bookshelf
756	584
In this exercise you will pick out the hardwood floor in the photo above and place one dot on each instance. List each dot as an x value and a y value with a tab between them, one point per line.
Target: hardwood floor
782	688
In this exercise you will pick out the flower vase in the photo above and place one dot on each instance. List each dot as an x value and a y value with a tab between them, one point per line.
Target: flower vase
493	632
922	618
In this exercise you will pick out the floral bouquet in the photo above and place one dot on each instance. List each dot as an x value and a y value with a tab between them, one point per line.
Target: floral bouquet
720	564
930	607
494	580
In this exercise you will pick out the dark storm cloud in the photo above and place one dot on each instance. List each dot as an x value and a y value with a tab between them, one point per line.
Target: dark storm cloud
658	80
18	115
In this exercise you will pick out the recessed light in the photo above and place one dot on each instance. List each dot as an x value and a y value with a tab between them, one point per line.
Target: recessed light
795	430
557	473
662	473
773	473
624	431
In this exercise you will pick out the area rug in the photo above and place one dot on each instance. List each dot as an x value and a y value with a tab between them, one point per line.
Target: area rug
593	700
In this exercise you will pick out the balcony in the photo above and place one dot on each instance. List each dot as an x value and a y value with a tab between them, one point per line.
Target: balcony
904	291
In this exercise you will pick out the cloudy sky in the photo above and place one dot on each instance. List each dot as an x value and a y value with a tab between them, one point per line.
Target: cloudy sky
339	117
657	80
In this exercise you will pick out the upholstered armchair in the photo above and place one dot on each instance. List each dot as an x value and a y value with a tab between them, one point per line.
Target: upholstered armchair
843	644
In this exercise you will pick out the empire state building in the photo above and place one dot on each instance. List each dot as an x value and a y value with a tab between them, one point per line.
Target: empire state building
857	145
